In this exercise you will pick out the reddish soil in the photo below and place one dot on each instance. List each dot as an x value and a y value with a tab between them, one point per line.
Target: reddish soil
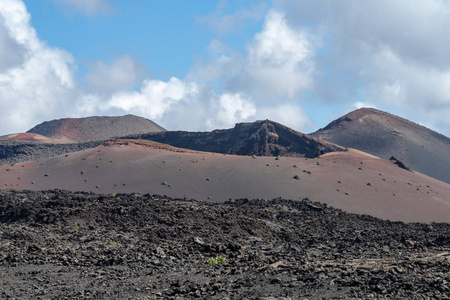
351	180
385	135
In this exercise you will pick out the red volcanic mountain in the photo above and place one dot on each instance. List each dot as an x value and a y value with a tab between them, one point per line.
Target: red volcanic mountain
385	135
94	128
261	138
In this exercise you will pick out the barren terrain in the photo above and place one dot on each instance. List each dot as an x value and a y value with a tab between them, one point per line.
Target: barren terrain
56	244
350	180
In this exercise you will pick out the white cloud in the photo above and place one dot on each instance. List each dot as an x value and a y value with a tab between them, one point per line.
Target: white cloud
40	81
154	99
89	7
279	61
287	114
225	23
396	50
234	108
360	104
123	73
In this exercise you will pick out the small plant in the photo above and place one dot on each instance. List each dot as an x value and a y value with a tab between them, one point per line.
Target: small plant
339	181
254	156
20	177
74	227
82	172
219	259
294	166
47	174
112	243
67	155
232	201
277	158
32	182
318	163
362	163
338	190
85	180
384	179
306	158
208	179
8	169
97	186
429	186
347	193
164	183
297	177
97	166
362	169
267	165
209	197
163	161
369	184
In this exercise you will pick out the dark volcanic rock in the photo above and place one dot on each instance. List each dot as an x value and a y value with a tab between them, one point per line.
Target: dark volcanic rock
57	244
263	138
14	152
96	128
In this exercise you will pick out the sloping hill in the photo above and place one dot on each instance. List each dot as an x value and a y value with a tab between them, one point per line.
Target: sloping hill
261	138
95	128
385	135
350	180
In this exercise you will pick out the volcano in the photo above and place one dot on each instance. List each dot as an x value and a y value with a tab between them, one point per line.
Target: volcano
385	135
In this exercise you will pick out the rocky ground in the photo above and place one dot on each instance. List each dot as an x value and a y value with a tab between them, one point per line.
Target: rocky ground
58	244
12	152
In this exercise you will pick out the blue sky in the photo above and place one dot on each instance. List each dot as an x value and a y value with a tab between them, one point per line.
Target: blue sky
202	65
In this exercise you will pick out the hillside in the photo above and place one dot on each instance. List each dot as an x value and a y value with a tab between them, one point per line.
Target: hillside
261	138
350	180
95	128
385	135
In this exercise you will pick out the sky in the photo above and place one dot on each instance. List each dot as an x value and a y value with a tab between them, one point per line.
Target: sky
200	65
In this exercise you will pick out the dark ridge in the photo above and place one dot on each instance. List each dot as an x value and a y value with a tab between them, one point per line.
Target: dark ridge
14	152
96	128
262	138
400	164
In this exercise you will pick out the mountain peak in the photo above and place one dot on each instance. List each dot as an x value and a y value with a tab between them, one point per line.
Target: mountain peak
95	128
261	138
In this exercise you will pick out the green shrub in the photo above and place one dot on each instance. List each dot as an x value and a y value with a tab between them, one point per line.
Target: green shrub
254	156
318	163
47	174
219	259
297	177
369	184
164	183
277	158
